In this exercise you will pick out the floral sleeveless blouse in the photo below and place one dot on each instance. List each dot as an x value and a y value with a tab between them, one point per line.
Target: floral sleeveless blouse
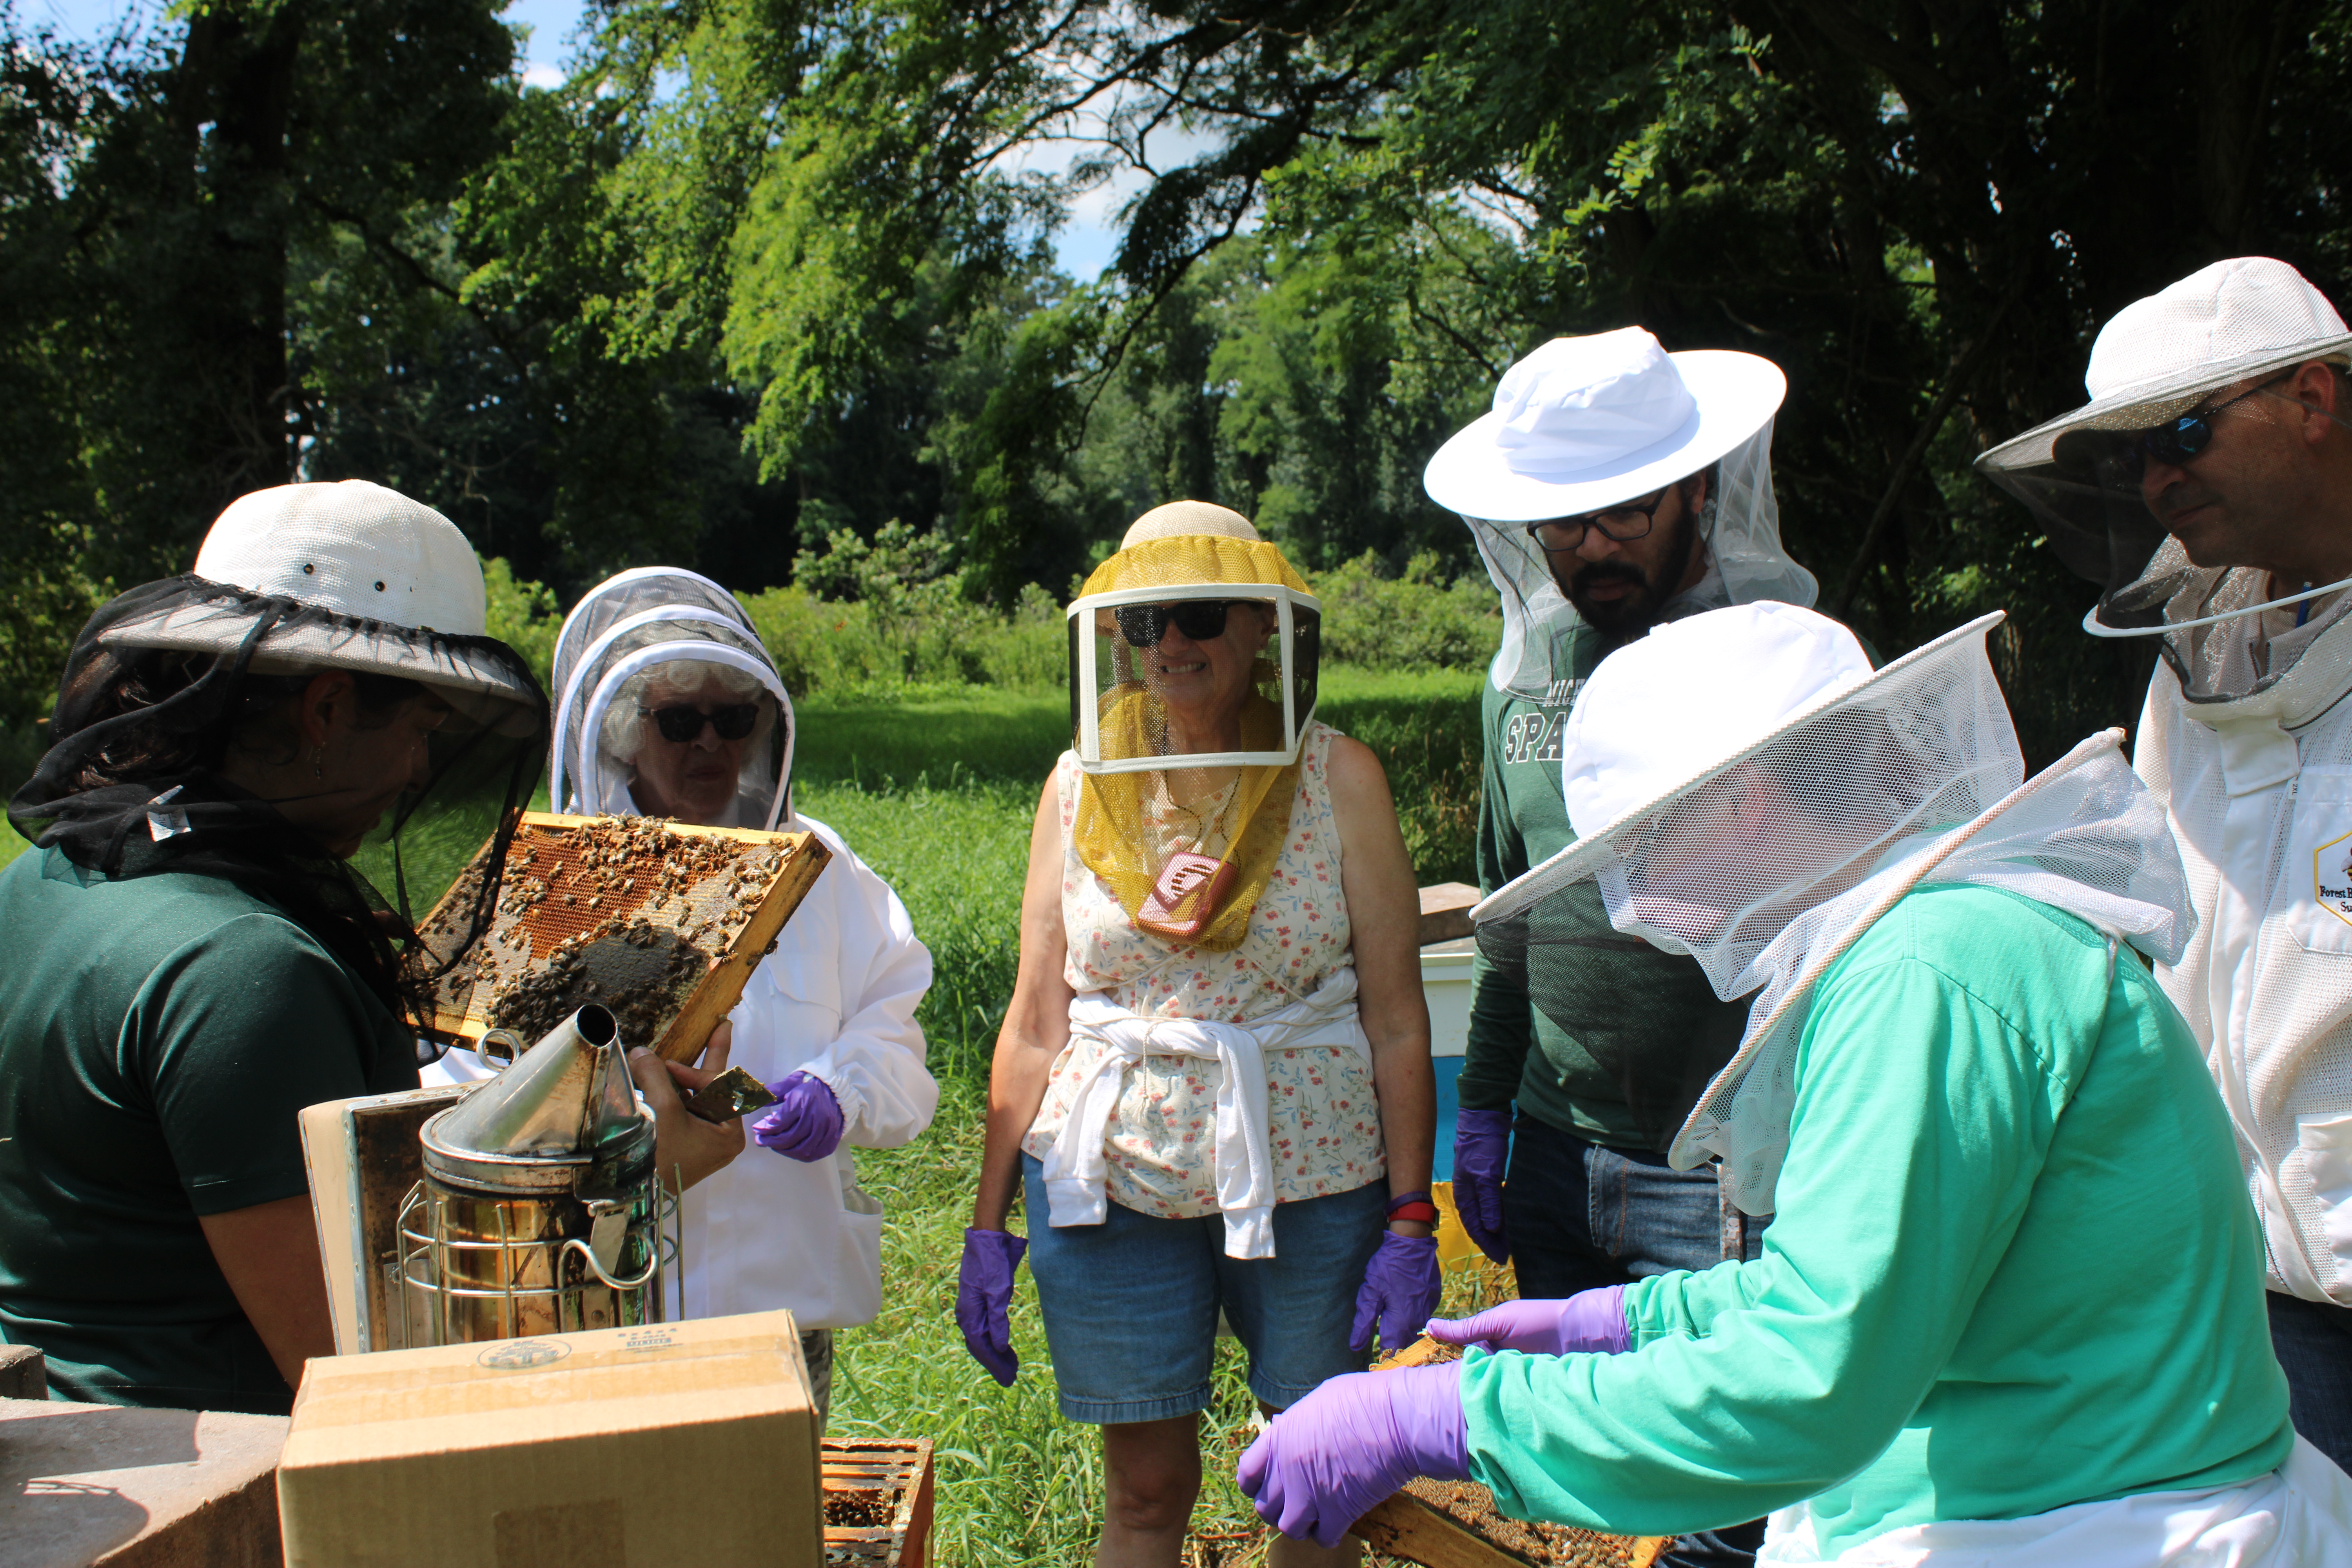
1325	1120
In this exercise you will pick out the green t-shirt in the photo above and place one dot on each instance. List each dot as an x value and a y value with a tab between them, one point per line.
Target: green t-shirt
2015	1267
1625	1036
158	1035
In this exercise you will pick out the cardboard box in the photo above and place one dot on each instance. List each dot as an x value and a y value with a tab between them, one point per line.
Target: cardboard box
678	1442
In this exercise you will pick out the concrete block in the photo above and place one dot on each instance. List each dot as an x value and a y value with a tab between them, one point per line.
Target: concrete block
84	1485
23	1373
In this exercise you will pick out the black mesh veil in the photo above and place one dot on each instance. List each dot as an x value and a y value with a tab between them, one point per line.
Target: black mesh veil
131	783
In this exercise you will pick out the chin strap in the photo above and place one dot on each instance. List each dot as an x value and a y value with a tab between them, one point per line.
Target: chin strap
2098	628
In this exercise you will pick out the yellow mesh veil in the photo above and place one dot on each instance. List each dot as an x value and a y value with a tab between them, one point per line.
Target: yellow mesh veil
1186	838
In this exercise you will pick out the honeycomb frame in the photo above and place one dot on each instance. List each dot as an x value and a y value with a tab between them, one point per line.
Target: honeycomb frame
663	921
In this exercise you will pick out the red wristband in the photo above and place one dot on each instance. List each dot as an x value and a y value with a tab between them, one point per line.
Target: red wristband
1423	1213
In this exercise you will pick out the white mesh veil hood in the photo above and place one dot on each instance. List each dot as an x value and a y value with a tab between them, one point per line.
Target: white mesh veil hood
2245	323
1768	864
1740	531
641	619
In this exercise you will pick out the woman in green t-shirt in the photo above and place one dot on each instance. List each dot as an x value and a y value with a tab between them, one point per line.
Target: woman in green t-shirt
193	954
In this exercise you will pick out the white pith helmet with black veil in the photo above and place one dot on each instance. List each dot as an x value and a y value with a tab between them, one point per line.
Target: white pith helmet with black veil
166	680
1586	423
662	626
2159	378
1746	789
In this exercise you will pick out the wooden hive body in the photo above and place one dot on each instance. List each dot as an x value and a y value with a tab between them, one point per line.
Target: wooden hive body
1454	1525
877	1503
661	921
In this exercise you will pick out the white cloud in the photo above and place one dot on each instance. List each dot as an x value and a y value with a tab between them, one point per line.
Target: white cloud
536	75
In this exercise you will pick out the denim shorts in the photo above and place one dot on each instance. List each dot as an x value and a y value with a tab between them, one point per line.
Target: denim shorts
1131	1305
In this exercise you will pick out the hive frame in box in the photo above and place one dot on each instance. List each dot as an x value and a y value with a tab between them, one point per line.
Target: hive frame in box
541	922
898	1472
1421	1530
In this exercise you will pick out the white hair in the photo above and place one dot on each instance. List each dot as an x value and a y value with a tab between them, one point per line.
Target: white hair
623	731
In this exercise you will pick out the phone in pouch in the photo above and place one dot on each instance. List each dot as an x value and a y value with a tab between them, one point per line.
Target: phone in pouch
1185	899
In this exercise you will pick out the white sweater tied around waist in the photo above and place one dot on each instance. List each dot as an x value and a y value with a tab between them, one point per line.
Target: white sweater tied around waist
1076	1166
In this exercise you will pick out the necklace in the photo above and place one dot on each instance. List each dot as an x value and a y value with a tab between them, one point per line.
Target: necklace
1203	831
1191	884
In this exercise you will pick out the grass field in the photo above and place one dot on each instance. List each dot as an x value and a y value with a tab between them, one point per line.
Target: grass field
935	790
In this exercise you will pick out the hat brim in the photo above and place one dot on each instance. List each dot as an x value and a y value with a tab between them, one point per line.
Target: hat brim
2153	401
480	689
1586	856
1736	394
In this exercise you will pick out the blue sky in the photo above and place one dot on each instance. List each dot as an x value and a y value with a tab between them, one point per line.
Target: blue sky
551	21
1082	247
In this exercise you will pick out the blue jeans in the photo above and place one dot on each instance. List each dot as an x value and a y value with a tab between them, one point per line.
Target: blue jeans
1581	1216
2313	1342
1131	1305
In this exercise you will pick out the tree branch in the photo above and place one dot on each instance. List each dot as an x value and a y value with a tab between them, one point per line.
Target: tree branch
1964	367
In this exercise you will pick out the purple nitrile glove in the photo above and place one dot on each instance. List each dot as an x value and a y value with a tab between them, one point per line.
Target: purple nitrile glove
984	1299
1399	1290
1321	1464
1587	1320
1482	1142
804	1123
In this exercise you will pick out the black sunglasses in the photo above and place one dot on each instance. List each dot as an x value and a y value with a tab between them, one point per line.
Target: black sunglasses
1620	524
2181	439
682	721
1199	620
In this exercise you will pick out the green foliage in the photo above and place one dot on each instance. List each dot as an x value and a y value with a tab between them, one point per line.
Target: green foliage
762	279
173	206
1921	223
524	617
1413	619
1423	728
897	615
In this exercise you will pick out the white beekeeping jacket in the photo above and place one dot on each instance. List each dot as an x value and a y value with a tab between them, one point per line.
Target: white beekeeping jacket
2259	790
836	997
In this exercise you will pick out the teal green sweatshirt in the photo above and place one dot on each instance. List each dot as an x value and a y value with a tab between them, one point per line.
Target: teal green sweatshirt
2013	1268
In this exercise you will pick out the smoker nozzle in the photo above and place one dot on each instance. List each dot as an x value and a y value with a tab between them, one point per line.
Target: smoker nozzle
565	1104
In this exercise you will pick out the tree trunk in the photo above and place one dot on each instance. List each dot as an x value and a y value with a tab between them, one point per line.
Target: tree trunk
236	87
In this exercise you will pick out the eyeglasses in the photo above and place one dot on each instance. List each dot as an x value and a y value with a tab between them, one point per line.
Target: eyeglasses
682	721
2183	438
1202	620
1620	524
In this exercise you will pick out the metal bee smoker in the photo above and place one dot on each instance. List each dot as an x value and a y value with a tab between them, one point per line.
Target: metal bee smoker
541	1210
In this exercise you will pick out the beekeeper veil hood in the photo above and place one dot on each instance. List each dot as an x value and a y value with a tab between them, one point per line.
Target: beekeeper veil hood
167	681
2168	374
1194	659
662	629
1587	423
1747	790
